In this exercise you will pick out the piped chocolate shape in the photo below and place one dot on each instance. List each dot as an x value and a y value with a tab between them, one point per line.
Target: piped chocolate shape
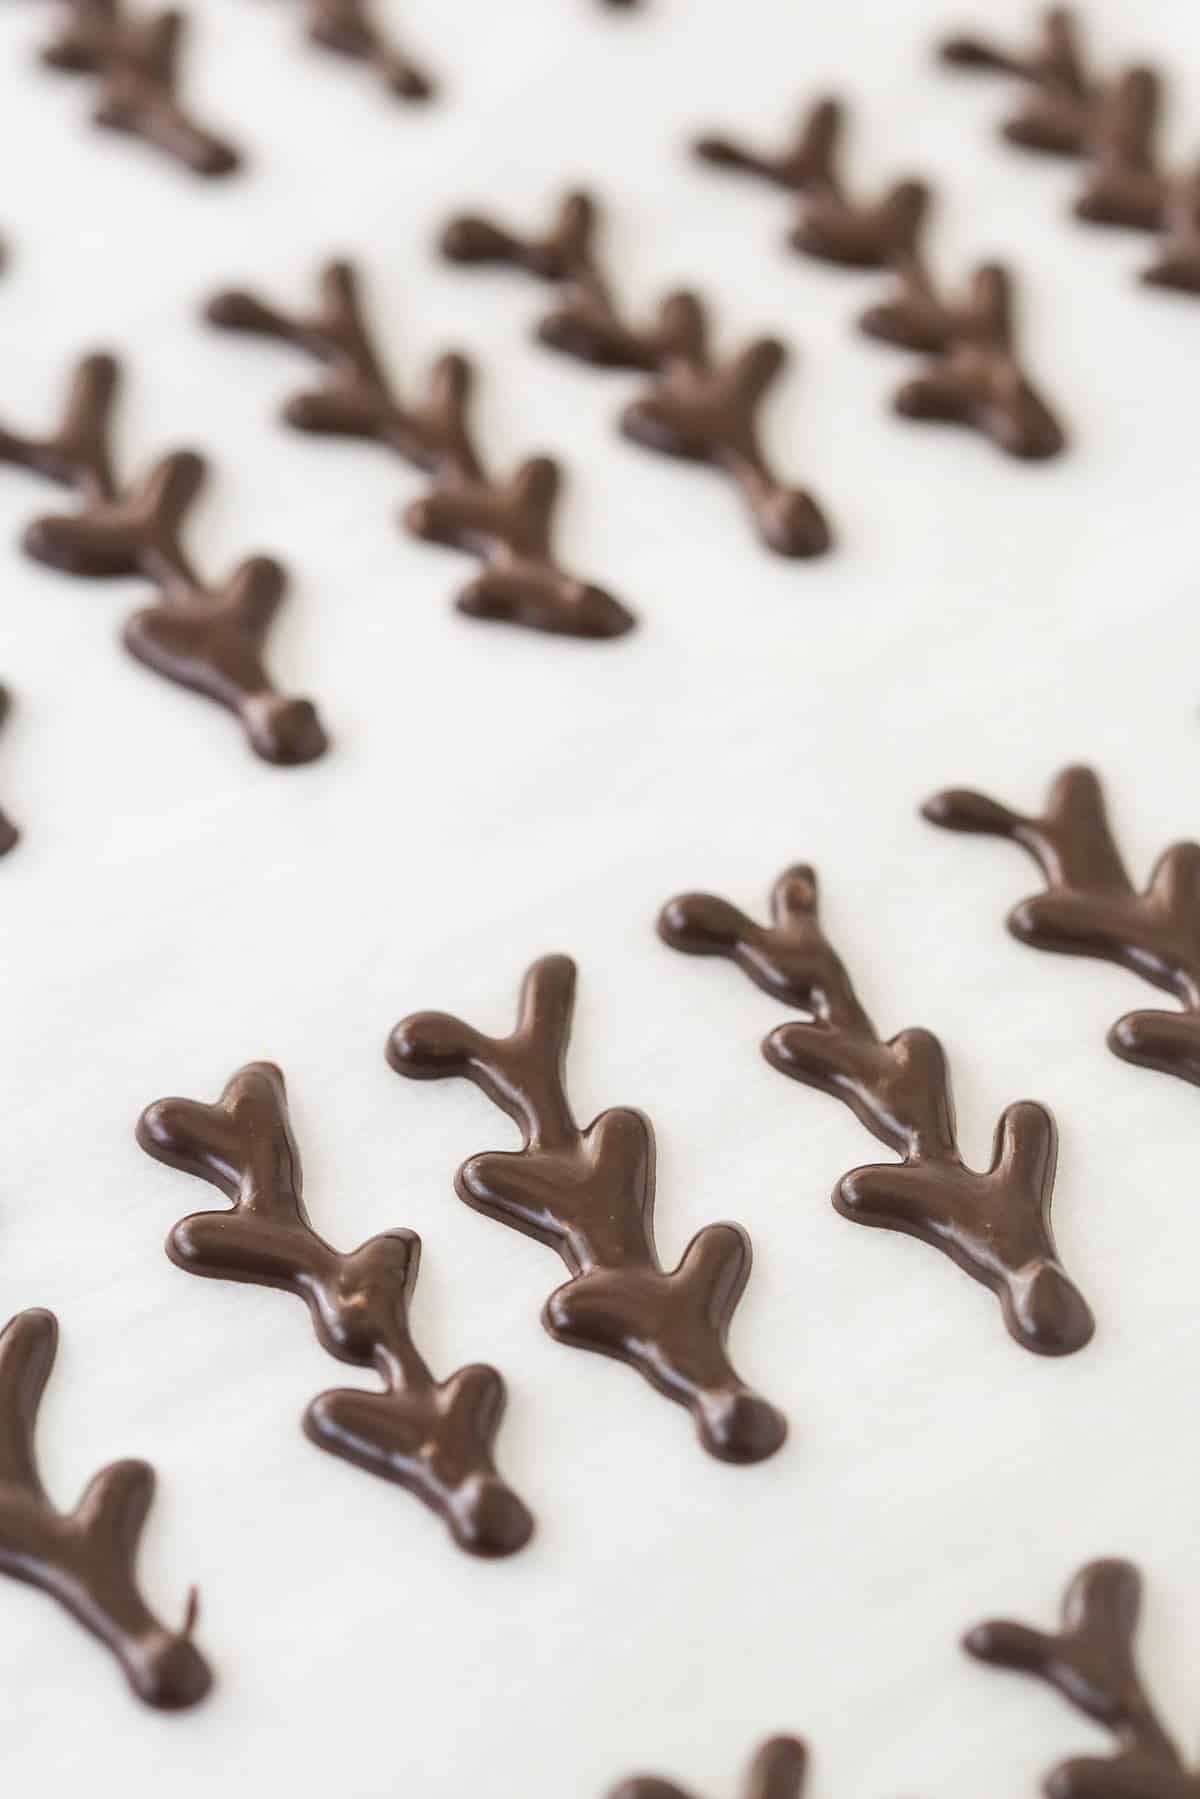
351	28
993	1225
9	835
696	407
1092	908
1090	1662
434	1438
777	1772
210	639
507	525
589	1194
135	61
86	1559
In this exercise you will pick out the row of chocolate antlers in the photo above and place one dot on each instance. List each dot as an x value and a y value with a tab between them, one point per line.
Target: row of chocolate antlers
1112	124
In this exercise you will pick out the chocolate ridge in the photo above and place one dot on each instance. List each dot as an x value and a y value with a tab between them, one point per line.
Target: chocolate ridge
589	1194
777	1772
9	835
210	639
995	1225
508	526
86	1559
350	29
434	1438
1091	907
696	407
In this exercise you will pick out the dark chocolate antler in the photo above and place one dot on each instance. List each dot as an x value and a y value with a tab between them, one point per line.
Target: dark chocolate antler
1091	1663
508	526
1057	113
349	28
210	639
777	1772
589	1194
136	62
695	407
86	1559
432	1437
1091	908
9	835
996	1225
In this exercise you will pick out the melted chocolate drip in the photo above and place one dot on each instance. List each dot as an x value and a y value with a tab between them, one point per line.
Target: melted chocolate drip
86	1559
433	1438
1091	908
695	407
508	526
209	639
349	28
1090	1662
136	62
996	1225
777	1772
975	378
589	1194
9	835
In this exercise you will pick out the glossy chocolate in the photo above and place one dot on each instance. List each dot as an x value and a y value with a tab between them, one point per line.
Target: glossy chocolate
86	1559
777	1772
9	835
695	407
204	637
995	1225
1091	1663
589	1194
433	1438
1092	908
135	61
351	28
508	525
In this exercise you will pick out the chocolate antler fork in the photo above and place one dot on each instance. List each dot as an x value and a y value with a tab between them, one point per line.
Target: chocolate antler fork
589	1194
994	1225
349	28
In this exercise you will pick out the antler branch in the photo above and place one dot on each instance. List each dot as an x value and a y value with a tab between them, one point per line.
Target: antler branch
86	1559
349	28
433	1438
589	1194
995	1225
209	639
777	1772
508	526
696	407
1090	1662
1091	908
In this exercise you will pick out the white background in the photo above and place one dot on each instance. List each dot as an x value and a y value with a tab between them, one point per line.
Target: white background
177	908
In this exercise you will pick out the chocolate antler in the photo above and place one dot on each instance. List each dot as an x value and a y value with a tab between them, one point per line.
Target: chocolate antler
777	1772
1091	908
432	1437
1091	1663
589	1194
349	28
1056	115
508	526
9	835
136	61
210	639
996	1225
86	1559
695	408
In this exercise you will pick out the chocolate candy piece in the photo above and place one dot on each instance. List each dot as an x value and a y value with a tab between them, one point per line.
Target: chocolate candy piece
86	1559
1056	114
9	835
777	1772
136	61
210	639
696	407
350	29
1090	1662
1091	908
507	525
996	1225
589	1194
432	1437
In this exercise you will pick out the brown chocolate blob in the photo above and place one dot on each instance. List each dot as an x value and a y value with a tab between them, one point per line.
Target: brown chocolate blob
433	1438
351	29
86	1559
508	526
696	407
777	1772
589	1194
207	638
1091	908
9	835
1091	1663
136	64
995	1225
